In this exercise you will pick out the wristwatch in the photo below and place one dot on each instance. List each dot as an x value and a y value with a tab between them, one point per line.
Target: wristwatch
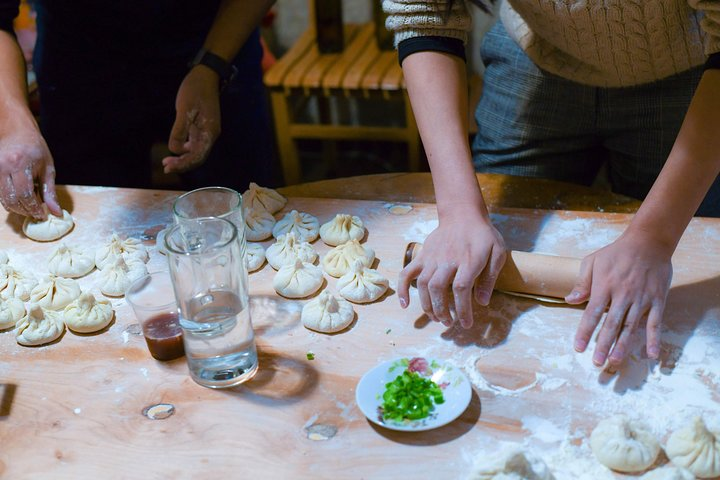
225	70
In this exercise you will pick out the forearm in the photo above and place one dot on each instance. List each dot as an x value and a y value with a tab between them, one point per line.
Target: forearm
436	84
14	107
233	24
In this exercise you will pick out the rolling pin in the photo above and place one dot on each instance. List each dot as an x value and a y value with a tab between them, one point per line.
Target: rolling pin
547	277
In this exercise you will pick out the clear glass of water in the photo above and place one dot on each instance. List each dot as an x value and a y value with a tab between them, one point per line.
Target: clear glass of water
206	267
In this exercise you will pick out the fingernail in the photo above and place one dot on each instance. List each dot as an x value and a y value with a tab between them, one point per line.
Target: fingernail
573	295
403	302
580	345
484	298
653	352
599	359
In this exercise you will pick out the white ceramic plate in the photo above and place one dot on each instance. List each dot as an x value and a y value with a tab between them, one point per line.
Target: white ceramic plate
453	382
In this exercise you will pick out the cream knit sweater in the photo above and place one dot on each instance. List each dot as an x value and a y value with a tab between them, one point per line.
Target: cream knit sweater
608	43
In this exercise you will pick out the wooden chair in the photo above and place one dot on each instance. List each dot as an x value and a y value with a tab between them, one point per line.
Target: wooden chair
360	71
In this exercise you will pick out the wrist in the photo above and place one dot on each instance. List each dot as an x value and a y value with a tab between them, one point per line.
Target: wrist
463	212
651	238
16	117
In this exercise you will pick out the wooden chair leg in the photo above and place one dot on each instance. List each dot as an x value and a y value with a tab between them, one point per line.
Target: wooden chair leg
413	136
286	144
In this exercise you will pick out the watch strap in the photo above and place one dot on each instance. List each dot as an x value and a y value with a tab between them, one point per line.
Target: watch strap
225	70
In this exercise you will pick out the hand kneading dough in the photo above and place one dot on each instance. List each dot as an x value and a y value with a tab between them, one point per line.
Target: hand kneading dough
304	225
3	257
337	262
87	315
668	473
341	229
623	445
39	326
117	276
264	198
14	283
11	311
298	280
70	262
696	448
361	284
50	229
512	464
259	224
117	247
255	256
55	293
287	249
327	313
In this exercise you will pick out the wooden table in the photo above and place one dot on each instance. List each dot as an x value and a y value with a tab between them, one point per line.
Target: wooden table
74	409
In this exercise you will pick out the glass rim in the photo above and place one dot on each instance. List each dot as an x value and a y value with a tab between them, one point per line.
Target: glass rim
150	308
185	195
177	226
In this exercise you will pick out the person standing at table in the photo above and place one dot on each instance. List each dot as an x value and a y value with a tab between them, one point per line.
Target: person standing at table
115	76
567	86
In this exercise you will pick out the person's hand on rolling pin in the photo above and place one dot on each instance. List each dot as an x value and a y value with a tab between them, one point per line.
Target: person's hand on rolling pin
463	255
631	278
197	122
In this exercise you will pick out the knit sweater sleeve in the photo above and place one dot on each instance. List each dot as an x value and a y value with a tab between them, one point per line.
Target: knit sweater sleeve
427	18
710	23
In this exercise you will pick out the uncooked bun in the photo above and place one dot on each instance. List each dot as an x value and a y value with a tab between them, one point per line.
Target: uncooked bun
55	293
361	284
341	229
117	277
337	262
259	224
624	445
87	315
50	229
298	280
11	311
514	463
117	247
39	326
71	262
3	257
264	198
287	249
304	225
668	473
254	256
696	448
327	313
15	283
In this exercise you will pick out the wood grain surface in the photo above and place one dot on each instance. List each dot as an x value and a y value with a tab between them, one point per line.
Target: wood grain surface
74	409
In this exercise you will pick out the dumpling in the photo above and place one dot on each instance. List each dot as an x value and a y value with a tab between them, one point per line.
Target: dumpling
668	473
3	257
259	224
70	262
254	256
337	261
11	311
361	284
128	248
623	445
39	326
510	464
87	315
298	280
117	276
304	225
15	283
265	198
55	293
341	229
327	313
696	448
50	229
287	249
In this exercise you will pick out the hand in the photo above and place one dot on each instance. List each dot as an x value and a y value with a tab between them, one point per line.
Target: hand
631	277
465	251
197	122
27	174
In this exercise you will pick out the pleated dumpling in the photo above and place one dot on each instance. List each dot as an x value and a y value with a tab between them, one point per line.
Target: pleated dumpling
71	262
327	313
4	259
696	448
303	225
337	262
39	326
15	283
11	311
361	284
287	249
117	276
265	198
341	229
50	229
254	256
668	473
117	247
624	445
511	463
55	293
298	280
259	224
87	315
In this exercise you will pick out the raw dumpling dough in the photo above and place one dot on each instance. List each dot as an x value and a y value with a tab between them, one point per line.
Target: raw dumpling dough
361	284
55	293
298	280
287	249
117	247
337	261
70	262
50	229
624	445
39	326
696	448
304	225
668	473
11	311
87	315
259	224
341	229
264	198
327	313
14	283
3	257
117	277
512	464
254	256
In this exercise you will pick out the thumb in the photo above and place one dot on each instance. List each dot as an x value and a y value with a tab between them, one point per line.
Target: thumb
581	290
179	133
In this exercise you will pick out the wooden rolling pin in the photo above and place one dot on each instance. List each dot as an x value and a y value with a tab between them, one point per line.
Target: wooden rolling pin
531	274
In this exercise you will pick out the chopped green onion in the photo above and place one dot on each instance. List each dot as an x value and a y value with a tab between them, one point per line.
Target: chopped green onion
310	356
410	397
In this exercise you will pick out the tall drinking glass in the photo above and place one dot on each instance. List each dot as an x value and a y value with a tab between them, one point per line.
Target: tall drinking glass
206	268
